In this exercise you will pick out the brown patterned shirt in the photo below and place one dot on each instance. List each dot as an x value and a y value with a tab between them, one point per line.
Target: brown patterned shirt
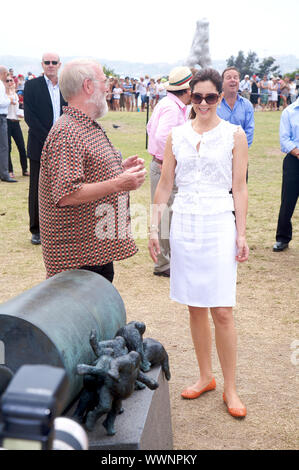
77	151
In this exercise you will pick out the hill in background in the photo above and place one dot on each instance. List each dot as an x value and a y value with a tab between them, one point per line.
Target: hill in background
132	69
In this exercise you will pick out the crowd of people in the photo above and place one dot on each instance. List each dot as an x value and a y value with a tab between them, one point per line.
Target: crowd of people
266	93
131	94
270	92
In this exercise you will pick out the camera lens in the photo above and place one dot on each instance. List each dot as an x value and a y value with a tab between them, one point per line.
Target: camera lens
69	435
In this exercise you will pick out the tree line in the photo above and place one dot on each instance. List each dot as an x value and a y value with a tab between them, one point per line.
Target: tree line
251	65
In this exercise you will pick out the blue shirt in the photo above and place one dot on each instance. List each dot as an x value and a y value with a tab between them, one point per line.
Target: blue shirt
289	127
242	114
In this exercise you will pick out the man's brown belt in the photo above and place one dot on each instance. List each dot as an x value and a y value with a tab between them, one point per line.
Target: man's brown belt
157	160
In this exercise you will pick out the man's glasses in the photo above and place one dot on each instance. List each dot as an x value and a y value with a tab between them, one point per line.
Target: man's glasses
9	80
106	81
211	98
48	62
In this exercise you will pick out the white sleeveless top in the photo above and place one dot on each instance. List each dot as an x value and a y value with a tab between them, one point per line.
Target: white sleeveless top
204	176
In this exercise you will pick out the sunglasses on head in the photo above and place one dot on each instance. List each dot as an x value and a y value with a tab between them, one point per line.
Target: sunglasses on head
48	62
211	98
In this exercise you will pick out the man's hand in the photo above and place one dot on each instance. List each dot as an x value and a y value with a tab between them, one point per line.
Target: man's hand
132	161
129	180
132	178
295	152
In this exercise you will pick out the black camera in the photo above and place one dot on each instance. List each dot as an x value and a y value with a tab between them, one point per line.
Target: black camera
29	407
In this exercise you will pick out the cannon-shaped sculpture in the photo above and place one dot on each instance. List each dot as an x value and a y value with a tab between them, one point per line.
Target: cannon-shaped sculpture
51	324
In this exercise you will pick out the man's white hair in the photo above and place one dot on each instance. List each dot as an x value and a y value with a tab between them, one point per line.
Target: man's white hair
73	75
3	69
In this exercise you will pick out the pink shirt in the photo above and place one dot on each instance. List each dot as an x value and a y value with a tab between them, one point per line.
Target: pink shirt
169	112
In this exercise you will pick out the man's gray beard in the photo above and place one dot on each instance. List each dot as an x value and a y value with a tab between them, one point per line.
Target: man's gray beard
104	110
101	103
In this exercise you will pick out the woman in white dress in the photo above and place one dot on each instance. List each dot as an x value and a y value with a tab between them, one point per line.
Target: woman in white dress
207	157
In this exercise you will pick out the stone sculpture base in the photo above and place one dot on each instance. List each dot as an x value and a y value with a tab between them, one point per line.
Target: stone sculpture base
145	423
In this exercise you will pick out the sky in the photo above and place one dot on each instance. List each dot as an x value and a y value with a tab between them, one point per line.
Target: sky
147	31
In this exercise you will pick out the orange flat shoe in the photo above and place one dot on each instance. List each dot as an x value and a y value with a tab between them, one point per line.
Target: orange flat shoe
235	412
191	394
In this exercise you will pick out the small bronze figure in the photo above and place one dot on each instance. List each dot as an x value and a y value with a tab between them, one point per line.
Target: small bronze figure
133	335
156	354
118	346
91	385
116	379
116	372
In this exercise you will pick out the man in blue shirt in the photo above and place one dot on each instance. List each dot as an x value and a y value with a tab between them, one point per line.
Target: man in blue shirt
289	143
233	107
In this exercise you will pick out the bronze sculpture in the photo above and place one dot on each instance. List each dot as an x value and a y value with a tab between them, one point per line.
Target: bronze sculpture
116	347
133	332
114	380
116	373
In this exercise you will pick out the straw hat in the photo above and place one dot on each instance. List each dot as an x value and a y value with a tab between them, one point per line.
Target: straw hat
179	79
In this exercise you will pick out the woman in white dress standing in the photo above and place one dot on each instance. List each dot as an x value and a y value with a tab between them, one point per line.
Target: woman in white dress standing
207	157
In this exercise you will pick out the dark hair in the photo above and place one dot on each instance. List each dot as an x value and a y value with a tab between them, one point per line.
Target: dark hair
230	68
206	75
178	92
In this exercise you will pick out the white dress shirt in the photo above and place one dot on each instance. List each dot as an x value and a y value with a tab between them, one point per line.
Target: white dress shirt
13	109
55	98
4	100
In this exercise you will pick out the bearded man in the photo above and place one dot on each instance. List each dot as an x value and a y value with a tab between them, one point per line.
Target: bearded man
84	184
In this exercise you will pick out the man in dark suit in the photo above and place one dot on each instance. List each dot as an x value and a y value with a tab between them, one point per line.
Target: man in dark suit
42	107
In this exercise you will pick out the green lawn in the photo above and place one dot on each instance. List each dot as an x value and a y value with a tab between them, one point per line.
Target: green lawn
18	256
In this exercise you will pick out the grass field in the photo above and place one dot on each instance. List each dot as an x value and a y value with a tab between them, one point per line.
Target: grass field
266	312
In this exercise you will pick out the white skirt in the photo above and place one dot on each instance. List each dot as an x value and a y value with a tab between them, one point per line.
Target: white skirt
203	268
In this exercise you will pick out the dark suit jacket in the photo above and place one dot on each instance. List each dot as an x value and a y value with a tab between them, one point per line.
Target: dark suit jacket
38	114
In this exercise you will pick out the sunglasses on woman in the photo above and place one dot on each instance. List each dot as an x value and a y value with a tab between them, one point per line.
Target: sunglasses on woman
211	98
9	80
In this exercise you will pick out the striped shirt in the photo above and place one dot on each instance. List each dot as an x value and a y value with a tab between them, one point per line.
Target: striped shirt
128	89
